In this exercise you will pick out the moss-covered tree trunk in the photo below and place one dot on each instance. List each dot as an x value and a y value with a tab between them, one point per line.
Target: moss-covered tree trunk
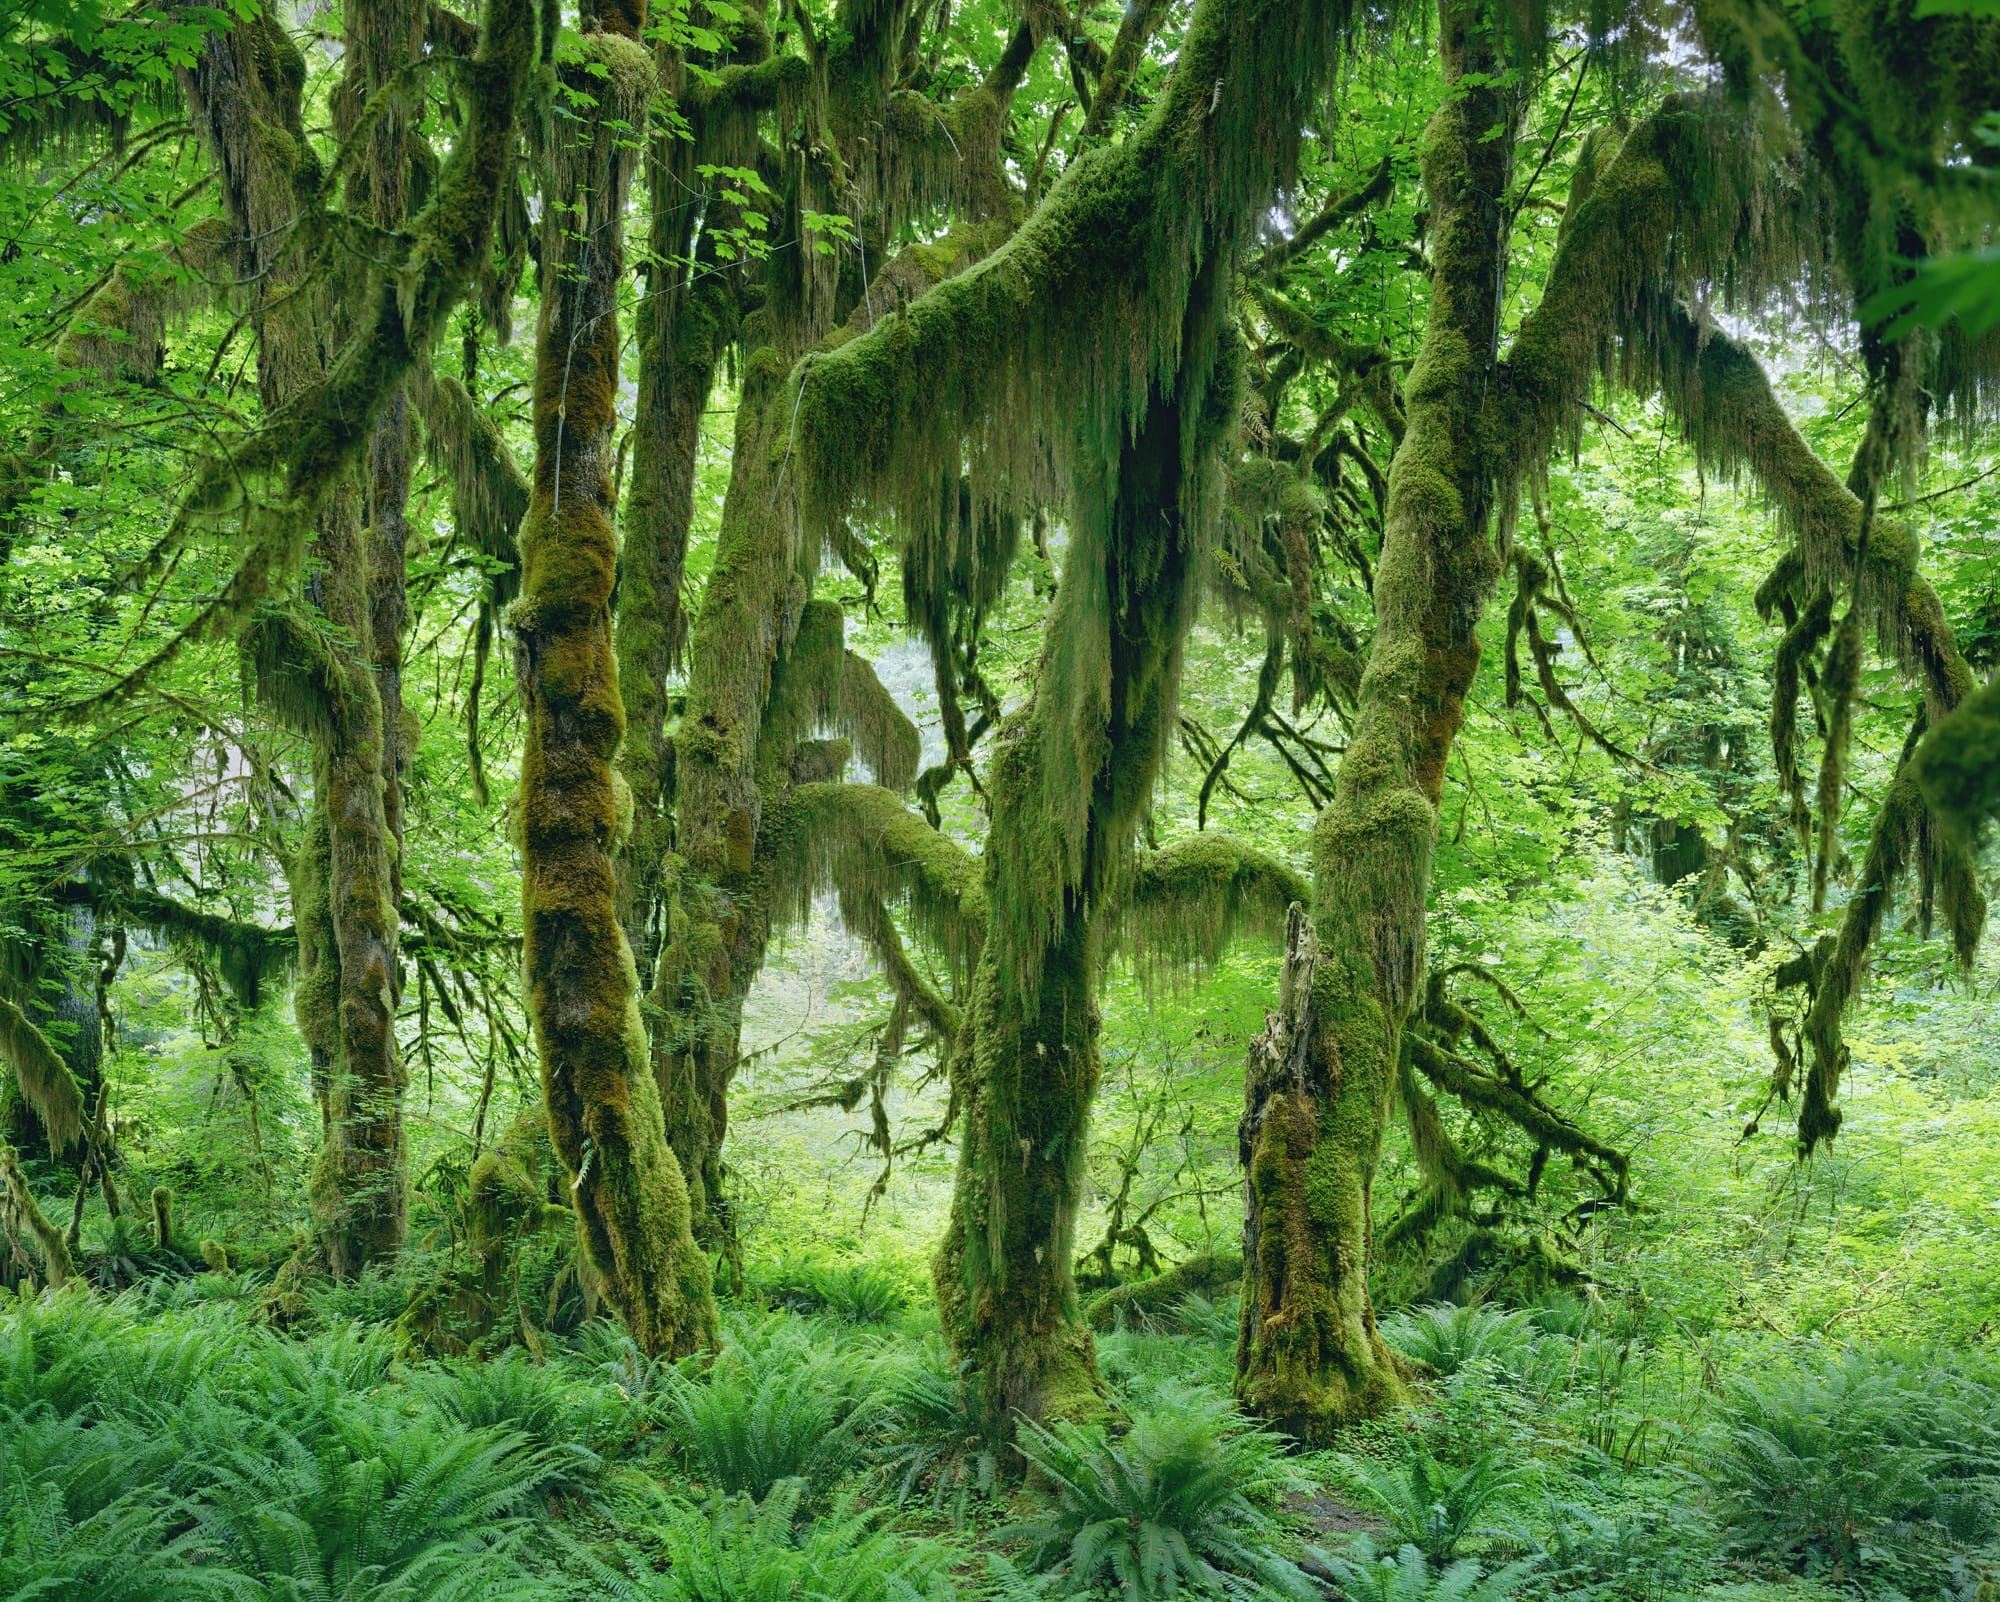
1319	1097
603	1104
686	321
728	771
320	669
360	1183
1088	749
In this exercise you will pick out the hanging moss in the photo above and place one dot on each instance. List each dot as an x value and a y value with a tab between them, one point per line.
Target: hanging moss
119	332
248	955
862	838
245	93
1188	901
1688	194
1088	359
23	1219
489	497
46	1084
1958	765
883	735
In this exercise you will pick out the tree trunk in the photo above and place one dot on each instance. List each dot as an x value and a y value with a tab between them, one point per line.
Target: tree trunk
686	321
1026	1066
1319	1090
245	94
1005	1283
603	1104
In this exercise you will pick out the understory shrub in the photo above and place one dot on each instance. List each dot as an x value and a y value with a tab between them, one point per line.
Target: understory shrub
739	1549
1369	1574
931	1436
191	1454
1179	1500
861	1293
774	1405
1860	1464
1432	1506
1447	1338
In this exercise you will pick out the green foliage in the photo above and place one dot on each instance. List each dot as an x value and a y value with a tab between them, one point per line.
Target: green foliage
246	1465
1407	1576
775	1405
1649	1549
1446	1338
1433	1506
931	1438
567	1425
382	1509
1176	1501
861	1293
1861	1464
744	1550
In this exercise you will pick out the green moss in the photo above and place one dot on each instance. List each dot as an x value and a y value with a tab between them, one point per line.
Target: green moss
1209	1274
862	840
1958	765
44	1079
24	1221
1322	1081
1188	901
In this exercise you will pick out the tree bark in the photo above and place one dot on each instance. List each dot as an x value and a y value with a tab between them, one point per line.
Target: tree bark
245	93
1319	1094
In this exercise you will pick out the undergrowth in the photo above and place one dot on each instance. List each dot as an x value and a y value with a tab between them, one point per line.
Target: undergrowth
163	1444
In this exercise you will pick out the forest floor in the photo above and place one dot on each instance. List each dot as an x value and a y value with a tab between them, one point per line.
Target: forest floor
165	1443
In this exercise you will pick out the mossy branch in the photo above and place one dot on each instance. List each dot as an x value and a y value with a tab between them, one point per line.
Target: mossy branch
249	956
21	1216
861	839
1205	1274
1520	1105
47	1085
1041	358
1191	899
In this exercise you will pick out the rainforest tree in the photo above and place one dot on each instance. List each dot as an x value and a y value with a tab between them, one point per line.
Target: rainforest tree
1111	506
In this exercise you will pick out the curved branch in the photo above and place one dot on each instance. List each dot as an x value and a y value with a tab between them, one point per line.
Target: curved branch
1190	900
861	840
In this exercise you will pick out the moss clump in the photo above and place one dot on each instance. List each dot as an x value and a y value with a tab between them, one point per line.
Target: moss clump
863	841
24	1221
1188	901
1958	765
45	1081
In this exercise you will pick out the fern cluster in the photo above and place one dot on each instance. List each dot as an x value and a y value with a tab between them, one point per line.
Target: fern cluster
191	1455
1865	1465
1180	1501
